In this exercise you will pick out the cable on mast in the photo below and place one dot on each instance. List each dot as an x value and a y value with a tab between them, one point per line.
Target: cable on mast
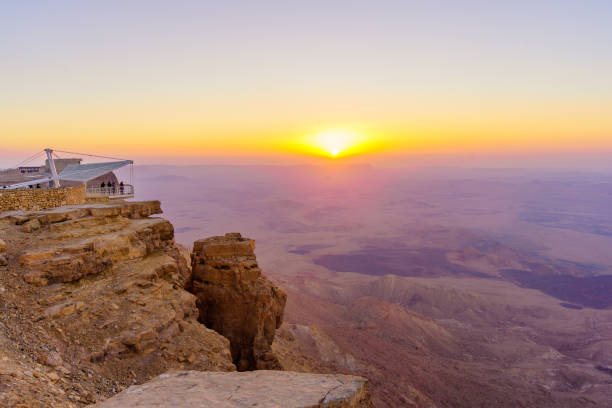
28	159
91	155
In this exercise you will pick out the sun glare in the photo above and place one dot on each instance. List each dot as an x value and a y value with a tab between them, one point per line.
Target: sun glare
335	142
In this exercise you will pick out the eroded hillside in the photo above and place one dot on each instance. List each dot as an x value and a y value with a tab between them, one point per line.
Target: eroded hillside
474	287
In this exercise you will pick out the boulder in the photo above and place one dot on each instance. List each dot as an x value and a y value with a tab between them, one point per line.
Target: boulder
52	359
31	225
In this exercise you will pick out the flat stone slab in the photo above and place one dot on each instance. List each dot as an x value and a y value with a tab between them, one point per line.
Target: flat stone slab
261	389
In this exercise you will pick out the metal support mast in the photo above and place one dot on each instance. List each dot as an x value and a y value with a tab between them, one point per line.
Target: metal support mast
56	181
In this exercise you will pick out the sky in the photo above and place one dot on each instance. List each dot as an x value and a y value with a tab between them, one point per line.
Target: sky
291	81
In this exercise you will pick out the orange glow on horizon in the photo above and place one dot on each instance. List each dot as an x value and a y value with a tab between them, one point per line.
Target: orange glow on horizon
191	136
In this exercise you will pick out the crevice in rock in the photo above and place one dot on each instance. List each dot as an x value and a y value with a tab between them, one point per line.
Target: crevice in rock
236	300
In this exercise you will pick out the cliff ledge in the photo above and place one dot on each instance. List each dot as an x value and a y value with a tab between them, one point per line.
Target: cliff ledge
96	298
263	389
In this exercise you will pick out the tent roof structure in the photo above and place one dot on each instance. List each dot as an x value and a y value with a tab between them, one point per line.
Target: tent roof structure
86	172
76	172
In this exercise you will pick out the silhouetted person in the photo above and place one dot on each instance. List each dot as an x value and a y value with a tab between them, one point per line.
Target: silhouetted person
102	186
121	187
114	188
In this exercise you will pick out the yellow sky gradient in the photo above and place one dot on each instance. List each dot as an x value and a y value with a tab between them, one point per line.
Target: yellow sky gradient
176	131
158	82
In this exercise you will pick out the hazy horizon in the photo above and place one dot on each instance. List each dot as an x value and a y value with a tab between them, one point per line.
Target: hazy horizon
595	162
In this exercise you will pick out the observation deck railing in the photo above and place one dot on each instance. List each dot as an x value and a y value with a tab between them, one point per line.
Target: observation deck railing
127	191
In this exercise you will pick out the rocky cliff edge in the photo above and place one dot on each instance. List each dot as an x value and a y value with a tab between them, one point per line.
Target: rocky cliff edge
97	297
263	389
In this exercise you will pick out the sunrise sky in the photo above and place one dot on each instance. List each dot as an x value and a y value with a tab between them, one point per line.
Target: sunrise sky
187	82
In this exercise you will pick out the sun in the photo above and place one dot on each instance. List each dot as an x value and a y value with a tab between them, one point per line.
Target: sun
335	142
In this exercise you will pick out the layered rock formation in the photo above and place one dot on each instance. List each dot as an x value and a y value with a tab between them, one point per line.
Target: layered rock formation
96	297
264	389
236	300
93	301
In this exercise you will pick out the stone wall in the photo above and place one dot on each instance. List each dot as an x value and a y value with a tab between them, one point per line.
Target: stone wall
38	199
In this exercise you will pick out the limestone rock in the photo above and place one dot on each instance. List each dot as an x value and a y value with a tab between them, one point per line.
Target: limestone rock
52	359
98	297
264	389
96	302
2	246
95	242
236	300
30	225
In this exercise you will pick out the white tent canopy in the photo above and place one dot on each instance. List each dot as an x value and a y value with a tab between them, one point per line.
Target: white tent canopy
76	172
86	172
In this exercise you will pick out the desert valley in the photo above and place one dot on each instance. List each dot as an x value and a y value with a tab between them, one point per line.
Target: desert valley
444	287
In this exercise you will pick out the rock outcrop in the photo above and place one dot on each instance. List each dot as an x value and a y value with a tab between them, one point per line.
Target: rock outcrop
93	301
264	389
95	298
236	300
